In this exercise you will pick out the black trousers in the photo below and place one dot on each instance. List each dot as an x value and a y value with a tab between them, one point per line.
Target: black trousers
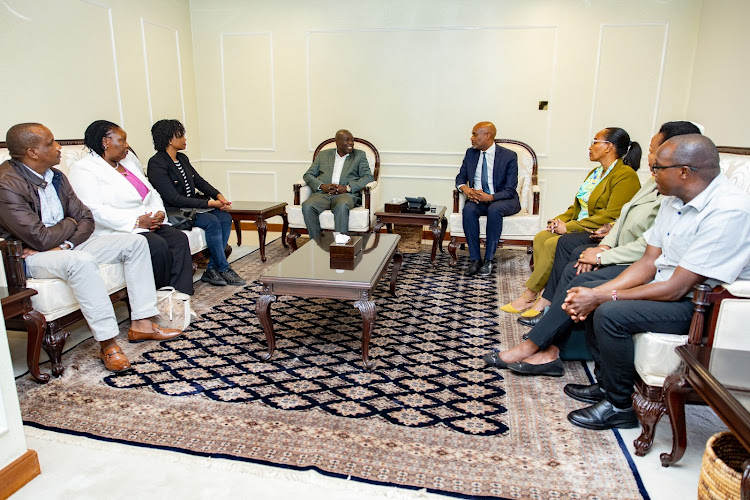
609	334
554	327
170	258
569	247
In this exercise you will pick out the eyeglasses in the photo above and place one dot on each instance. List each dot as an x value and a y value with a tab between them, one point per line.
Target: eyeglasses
656	167
597	140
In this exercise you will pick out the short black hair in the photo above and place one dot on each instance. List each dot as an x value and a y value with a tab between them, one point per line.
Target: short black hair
94	134
672	129
164	130
22	137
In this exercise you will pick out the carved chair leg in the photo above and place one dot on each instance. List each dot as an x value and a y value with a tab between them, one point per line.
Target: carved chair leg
649	411
35	326
452	247
53	342
291	239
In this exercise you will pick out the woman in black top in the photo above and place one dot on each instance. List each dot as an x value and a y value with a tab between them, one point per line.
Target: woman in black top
180	187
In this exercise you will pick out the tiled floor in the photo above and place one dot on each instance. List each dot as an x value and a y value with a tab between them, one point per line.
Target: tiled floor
80	468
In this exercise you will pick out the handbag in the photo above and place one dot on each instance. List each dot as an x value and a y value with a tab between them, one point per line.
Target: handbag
182	219
174	308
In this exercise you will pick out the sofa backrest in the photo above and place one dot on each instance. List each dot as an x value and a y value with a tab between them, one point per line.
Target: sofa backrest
72	151
735	164
371	152
527	173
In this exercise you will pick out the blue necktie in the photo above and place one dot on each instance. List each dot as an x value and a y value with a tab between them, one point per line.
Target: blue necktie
485	181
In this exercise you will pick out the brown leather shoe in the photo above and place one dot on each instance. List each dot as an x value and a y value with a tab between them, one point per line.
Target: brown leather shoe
158	333
115	360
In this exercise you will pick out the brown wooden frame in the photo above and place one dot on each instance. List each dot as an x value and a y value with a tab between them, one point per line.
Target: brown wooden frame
294	232
460	240
648	401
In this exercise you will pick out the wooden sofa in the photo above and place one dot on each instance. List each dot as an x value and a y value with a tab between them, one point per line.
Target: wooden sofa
54	298
655	359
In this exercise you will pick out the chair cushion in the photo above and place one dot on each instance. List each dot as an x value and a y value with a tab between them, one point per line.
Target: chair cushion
359	219
56	299
196	239
731	331
655	358
520	226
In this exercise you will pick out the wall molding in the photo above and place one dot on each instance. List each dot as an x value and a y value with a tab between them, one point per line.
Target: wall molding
309	33
114	56
245	172
19	472
227	147
145	64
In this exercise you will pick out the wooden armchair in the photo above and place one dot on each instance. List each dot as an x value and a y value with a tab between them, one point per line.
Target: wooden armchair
360	218
518	229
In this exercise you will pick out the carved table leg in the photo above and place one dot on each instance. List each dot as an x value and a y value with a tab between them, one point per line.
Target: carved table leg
378	225
649	408
436	239
443	227
368	310
260	222
35	326
291	238
745	484
389	228
238	230
452	248
263	310
53	342
284	229
676	389
397	260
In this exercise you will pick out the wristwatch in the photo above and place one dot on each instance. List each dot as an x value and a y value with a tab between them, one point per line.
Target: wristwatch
599	259
66	245
348	188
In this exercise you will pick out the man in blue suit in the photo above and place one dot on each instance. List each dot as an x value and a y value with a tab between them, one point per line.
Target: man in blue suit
336	177
488	177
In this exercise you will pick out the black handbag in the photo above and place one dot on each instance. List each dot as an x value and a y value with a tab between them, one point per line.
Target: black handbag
182	219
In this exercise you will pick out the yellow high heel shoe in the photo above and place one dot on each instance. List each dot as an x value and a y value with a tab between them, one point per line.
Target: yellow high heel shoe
510	309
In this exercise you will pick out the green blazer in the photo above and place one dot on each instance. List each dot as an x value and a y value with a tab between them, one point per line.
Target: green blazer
356	172
626	236
606	199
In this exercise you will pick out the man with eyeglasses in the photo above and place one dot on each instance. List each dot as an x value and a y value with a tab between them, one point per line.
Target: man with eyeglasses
701	234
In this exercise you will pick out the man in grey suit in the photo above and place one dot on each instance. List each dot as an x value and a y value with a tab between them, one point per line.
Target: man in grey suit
336	177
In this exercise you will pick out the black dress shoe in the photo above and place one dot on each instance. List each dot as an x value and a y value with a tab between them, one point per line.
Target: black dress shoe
493	359
485	269
530	321
603	415
552	369
214	277
585	393
473	267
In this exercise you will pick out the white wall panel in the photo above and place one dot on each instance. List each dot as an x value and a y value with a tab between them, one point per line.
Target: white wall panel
629	74
247	86
161	54
421	90
248	186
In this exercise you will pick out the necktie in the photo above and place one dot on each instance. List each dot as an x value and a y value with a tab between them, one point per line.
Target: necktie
485	181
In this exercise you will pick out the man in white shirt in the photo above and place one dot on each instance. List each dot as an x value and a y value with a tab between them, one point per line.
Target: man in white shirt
336	177
701	235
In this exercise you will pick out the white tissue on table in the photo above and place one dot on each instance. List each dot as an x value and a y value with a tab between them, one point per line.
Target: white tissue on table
341	238
398	201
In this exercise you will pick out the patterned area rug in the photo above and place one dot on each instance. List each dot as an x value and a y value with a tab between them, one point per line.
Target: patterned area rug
430	415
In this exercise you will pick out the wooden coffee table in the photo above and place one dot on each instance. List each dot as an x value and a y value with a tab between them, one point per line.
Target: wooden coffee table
258	212
721	377
436	220
308	272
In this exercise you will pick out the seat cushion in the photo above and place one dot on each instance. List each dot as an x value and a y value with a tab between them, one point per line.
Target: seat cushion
55	298
519	226
359	219
655	358
196	239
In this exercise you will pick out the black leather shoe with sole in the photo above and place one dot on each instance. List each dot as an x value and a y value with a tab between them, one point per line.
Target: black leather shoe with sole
603	415
473	267
585	393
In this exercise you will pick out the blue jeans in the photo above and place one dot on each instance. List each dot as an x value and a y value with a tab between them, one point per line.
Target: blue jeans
217	224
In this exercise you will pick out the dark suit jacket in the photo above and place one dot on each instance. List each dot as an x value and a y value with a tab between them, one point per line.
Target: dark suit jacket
504	172
356	172
168	181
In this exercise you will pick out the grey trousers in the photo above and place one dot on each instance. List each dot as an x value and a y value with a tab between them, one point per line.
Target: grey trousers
317	203
79	268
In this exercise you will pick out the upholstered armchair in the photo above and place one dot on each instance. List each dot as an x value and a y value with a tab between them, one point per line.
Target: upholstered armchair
518	229
718	321
360	218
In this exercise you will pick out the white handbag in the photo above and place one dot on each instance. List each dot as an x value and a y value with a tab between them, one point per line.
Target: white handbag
174	308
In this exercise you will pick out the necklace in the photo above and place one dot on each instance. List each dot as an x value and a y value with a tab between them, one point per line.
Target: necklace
125	173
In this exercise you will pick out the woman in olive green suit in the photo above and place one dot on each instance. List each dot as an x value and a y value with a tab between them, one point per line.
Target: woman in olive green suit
598	201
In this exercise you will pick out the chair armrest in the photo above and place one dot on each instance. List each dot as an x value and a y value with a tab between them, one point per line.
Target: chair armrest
459	200
536	189
372	185
740	288
14	274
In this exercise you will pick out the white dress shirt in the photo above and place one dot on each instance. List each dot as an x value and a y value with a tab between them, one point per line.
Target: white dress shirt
490	167
338	166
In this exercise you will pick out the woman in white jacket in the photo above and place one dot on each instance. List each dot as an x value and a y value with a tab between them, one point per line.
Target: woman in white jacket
110	181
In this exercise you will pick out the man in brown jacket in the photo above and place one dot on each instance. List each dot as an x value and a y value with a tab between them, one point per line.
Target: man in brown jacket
39	208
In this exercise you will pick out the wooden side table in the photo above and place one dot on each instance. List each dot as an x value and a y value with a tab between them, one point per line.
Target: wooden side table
18	303
436	220
258	212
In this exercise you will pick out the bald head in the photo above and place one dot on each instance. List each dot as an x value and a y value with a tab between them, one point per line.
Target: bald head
483	135
23	136
344	142
694	150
